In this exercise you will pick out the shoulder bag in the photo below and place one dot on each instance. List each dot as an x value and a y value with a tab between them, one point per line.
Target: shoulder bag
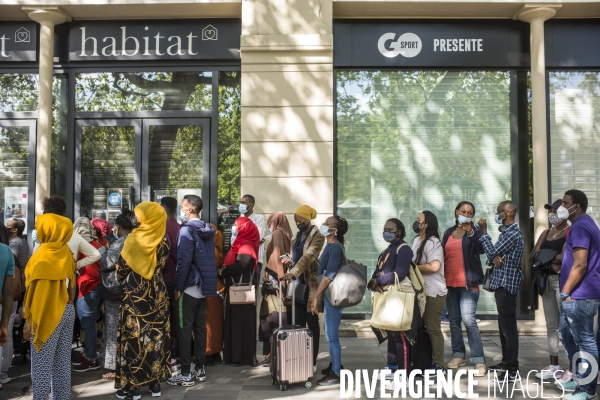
297	290
348	287
487	280
242	293
393	309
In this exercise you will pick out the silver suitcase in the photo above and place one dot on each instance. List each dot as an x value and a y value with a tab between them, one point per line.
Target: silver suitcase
291	352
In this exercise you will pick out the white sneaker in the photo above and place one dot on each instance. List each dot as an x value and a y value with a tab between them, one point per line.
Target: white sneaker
549	372
4	378
314	369
387	374
391	385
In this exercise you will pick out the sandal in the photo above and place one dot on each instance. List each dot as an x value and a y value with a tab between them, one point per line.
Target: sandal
109	376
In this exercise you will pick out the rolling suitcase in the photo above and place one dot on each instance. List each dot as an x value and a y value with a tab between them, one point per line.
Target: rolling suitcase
291	352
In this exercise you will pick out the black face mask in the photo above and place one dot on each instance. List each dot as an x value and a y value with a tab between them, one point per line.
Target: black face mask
416	226
302	226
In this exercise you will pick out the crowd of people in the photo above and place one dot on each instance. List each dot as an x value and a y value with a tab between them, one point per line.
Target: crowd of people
156	290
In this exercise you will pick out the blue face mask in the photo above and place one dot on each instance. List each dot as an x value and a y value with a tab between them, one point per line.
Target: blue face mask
497	218
184	217
462	219
34	236
243	208
389	236
115	235
270	231
234	231
324	230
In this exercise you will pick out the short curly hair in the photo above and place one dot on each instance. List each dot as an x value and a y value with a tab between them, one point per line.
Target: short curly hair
54	205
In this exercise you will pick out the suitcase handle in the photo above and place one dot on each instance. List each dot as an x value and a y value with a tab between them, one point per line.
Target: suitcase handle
281	304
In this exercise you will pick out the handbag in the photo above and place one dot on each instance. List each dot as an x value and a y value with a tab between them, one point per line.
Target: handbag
242	293
300	290
348	287
487	280
393	309
112	289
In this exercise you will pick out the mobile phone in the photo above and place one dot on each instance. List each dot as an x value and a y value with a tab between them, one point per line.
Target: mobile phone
286	256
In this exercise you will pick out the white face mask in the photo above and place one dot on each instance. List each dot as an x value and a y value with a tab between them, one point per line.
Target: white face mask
563	213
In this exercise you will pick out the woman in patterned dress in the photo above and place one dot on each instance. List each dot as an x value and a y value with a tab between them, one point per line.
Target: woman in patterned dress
144	343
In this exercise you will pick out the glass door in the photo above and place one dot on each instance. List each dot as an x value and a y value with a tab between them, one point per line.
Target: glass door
17	171
121	162
108	167
175	159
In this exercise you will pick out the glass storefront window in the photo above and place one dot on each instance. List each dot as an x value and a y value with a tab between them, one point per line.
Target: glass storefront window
18	92
58	156
107	166
409	141
14	170
574	135
143	91
229	165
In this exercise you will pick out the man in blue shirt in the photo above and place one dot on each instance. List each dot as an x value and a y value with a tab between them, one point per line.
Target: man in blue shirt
579	291
507	278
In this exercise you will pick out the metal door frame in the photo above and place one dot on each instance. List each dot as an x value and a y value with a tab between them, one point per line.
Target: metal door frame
32	125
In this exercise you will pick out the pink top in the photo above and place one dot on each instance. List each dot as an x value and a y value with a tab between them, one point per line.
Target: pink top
454	265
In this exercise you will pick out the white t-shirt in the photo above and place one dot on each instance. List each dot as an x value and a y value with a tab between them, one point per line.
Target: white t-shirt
435	284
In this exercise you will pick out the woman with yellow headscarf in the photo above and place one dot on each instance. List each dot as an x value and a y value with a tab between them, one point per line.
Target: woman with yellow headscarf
48	308
144	342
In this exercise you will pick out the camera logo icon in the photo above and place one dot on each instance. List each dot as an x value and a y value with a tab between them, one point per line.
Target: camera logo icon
209	33
22	35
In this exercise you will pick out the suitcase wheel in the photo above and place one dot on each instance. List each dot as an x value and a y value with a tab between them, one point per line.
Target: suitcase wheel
282	387
308	384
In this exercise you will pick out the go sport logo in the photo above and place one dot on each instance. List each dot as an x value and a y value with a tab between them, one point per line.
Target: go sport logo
449	385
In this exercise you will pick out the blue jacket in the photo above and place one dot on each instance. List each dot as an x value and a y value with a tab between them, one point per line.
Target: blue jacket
472	250
196	264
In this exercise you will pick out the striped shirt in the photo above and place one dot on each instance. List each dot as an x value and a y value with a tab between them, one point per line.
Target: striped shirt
509	246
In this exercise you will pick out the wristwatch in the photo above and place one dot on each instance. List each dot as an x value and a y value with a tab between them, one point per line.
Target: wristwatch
564	296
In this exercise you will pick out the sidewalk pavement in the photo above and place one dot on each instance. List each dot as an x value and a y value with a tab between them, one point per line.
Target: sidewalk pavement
244	383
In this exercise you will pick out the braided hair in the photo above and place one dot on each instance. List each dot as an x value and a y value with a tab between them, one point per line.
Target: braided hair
342	227
399	225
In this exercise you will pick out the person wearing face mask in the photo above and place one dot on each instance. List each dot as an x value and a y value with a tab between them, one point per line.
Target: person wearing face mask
552	238
507	278
429	258
579	289
306	247
169	204
394	260
334	228
124	224
464	274
247	203
195	280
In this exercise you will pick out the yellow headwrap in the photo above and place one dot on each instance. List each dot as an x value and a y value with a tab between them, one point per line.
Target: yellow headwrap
306	212
45	276
139	249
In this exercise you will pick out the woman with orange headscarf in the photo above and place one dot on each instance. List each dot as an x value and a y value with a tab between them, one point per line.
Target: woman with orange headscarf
239	345
280	244
144	341
48	307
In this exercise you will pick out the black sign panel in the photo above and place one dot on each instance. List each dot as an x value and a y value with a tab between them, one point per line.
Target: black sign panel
201	39
492	44
18	41
574	43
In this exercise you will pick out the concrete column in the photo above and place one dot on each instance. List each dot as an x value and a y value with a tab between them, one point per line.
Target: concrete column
47	17
287	105
535	15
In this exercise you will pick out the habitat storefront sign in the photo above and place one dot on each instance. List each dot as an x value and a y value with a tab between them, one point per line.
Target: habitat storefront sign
155	40
18	41
493	44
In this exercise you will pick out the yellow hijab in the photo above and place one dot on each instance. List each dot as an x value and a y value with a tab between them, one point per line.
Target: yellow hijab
139	249
45	275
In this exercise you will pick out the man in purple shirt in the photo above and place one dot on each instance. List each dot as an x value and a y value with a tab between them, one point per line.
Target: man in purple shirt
170	206
580	292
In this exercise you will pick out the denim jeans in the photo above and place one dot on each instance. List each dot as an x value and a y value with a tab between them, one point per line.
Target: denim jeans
87	311
6	351
551	301
462	303
333	318
579	318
